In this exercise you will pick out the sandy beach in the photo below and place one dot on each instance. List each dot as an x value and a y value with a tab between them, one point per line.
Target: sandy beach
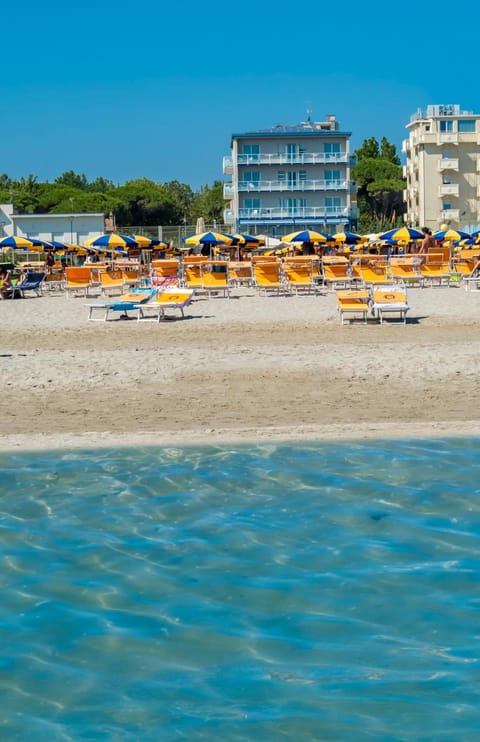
248	368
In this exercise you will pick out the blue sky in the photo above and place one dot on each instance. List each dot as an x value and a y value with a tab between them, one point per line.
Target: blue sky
156	90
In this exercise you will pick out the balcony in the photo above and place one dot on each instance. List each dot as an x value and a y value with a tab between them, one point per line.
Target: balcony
301	213
228	190
448	189
228	217
271	186
301	158
450	215
228	165
447	137
448	163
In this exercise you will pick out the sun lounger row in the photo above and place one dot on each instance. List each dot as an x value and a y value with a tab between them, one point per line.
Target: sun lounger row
429	270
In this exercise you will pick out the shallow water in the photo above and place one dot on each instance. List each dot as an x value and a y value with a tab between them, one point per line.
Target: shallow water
303	592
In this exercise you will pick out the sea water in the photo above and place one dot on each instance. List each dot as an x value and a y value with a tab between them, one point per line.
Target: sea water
320	591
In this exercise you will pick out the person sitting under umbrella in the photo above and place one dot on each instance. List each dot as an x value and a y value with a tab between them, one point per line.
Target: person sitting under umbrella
5	284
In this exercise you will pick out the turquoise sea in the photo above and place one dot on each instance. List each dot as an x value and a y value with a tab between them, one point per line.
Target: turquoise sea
317	591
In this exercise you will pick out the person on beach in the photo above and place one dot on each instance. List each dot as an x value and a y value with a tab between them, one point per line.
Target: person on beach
427	242
49	262
5	284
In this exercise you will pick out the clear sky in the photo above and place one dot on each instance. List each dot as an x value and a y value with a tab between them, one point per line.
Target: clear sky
156	89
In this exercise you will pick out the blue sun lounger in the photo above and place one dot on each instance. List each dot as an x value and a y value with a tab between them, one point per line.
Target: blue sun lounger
126	303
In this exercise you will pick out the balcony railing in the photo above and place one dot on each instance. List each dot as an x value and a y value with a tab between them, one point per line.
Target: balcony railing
301	158
291	213
448	189
450	215
299	185
228	190
228	216
227	165
448	163
447	137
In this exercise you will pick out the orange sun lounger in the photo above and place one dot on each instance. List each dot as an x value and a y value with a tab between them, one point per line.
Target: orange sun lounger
353	302
169	298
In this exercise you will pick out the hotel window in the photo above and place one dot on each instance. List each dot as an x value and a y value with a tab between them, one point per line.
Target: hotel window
446	125
281	176
333	204
288	204
251	203
332	150
251	178
302	175
332	177
292	152
252	152
466	126
292	179
447	205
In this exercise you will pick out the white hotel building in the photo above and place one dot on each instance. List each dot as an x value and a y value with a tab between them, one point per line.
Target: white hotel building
289	178
443	168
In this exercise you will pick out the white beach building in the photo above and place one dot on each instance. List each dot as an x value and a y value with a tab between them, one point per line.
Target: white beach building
72	228
443	168
291	177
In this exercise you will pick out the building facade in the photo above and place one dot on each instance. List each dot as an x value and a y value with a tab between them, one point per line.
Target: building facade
71	228
289	178
442	168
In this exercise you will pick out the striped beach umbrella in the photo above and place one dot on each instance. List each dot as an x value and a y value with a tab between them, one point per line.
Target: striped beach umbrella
306	235
17	243
209	238
405	234
111	241
145	243
450	235
248	239
349	238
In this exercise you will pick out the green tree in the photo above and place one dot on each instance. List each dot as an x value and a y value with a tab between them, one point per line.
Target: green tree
24	194
380	185
209	203
70	178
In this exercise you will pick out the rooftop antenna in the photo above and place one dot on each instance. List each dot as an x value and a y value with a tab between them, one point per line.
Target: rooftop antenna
309	113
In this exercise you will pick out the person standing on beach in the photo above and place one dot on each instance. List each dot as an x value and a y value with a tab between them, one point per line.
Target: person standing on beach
427	242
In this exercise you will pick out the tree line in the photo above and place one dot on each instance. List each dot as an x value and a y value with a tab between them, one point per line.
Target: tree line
378	174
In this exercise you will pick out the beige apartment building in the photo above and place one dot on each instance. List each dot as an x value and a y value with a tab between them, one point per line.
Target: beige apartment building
443	168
